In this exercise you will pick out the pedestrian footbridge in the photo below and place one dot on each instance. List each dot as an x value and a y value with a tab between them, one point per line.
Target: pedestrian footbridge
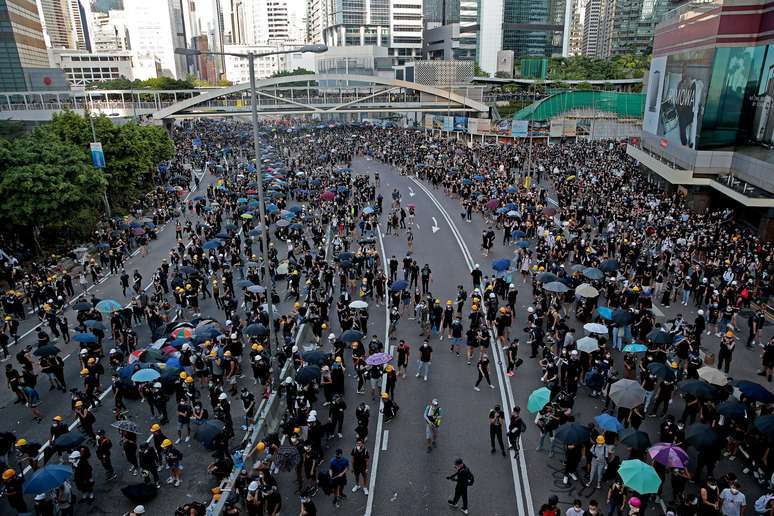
317	95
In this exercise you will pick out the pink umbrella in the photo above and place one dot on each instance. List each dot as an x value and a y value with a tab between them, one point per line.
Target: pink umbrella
491	204
327	196
669	455
138	231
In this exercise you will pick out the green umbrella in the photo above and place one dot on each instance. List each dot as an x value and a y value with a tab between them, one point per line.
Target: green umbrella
639	476
538	399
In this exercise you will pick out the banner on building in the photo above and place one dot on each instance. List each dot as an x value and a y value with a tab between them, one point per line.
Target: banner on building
428	121
557	128
460	123
479	126
503	127
448	123
570	127
520	128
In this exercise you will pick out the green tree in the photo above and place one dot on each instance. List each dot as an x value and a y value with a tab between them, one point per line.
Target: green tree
48	186
289	73
477	71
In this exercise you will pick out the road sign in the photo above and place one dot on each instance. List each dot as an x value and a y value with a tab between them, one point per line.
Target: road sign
97	156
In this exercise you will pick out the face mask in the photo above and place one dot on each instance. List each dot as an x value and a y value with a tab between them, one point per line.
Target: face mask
734	491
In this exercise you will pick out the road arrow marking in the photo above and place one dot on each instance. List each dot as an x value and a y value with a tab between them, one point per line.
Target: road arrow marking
411	192
435	225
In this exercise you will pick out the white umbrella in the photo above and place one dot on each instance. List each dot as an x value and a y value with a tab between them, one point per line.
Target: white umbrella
627	393
586	290
358	304
587	344
595	328
713	376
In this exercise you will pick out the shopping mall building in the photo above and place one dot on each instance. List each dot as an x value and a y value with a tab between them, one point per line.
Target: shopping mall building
708	126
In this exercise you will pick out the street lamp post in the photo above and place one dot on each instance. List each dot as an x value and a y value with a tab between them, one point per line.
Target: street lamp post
251	56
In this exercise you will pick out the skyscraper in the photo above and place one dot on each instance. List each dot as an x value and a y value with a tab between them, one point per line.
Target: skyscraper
155	29
22	45
66	24
531	28
592	44
632	25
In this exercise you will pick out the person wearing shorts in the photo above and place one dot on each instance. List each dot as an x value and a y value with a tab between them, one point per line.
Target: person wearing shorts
184	413
338	472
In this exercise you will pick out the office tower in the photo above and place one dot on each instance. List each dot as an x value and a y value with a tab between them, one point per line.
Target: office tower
266	21
110	31
316	20
592	45
631	25
155	29
531	28
296	22
22	46
66	23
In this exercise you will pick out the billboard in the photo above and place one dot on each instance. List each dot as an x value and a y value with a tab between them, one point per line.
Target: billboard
428	121
503	127
479	126
677	88
570	127
438	122
557	128
448	123
460	123
520	128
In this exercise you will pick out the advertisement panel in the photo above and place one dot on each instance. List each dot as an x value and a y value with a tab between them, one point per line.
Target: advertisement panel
557	128
460	123
520	128
428	121
448	123
503	127
679	92
438	121
570	127
479	126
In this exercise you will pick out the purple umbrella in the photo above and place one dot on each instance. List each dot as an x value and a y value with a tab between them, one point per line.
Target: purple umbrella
378	359
669	455
138	231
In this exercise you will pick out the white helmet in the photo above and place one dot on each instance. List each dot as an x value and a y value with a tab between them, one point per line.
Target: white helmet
223	396
253	487
530	309
331	336
140	509
112	350
700	312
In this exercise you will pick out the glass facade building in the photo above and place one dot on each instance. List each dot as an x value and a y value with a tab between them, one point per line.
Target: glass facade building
21	43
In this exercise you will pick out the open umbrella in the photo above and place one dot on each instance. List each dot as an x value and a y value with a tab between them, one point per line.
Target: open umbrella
314	357
593	273
609	266
636	439
286	457
244	283
68	441
698	389
755	391
765	425
140	493
623	317
351	336
587	344
573	433
661	371
399	285
547	277
378	359
713	375
206	431
502	264
256	289
668	454
660	337
46	351
256	330
109	306
47	478
358	305
308	374
94	324
635	347
82	306
627	393
182	333
703	437
85	338
639	476
732	409
608	423
211	244
145	375
538	399
598	328
126	426
605	312
586	290
556	286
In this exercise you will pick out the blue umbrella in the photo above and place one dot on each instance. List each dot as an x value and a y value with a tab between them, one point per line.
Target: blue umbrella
295	209
605	312
399	285
212	244
47	478
755	391
522	244
608	423
272	208
242	200
255	232
85	338
102	246
368	210
478	177
510	189
109	306
635	348
199	198
69	440
466	181
93	323
145	375
502	264
518	234
502	209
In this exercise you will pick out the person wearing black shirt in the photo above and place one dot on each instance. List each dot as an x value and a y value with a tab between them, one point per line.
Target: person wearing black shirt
463	479
496	417
360	458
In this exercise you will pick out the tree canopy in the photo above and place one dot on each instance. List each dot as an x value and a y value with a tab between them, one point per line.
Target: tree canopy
580	68
156	83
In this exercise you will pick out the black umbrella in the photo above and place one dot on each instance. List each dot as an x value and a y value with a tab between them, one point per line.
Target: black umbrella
608	266
703	437
207	431
732	409
573	433
661	371
699	389
46	351
256	330
187	269
636	439
765	425
308	374
140	493
623	317
82	306
314	357
286	457
593	273
351	336
660	337
68	441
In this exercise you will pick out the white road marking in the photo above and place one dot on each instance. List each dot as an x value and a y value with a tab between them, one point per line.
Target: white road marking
435	225
385	440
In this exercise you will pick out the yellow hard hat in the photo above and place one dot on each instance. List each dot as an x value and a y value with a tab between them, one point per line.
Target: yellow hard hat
9	474
58	418
729	333
227	354
324	326
213	353
600	439
296	305
183	375
259	348
385	396
297	430
449	302
155	427
675	365
78	403
260	446
189	379
389	368
8	317
84	372
338	360
166	443
254	347
21	442
474	308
